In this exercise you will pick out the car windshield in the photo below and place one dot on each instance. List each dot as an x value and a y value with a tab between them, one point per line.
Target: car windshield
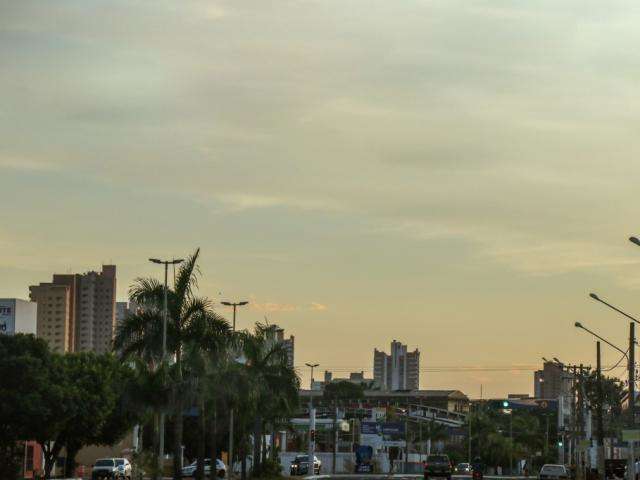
119	461
302	458
463	465
553	470
438	459
107	462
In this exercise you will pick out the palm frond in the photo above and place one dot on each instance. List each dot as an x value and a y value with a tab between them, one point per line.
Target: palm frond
187	279
147	292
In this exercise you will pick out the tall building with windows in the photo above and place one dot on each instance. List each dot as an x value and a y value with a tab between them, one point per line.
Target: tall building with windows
398	371
54	315
289	343
76	312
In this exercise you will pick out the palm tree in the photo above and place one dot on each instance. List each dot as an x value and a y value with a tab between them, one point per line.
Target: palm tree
140	334
208	342
274	383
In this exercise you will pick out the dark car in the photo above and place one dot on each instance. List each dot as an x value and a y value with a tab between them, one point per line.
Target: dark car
437	466
300	465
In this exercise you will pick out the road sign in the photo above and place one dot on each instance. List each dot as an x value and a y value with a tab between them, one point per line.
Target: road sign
631	435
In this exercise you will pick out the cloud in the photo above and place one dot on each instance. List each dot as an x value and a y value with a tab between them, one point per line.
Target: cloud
273	307
25	165
318	307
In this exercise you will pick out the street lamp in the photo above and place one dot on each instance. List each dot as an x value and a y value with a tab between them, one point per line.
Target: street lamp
165	312
634	240
579	325
632	373
311	464
234	305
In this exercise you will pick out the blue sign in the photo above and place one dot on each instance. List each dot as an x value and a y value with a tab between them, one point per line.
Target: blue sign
386	428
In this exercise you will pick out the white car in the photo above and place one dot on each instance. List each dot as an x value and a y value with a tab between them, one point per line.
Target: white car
124	468
190	470
553	472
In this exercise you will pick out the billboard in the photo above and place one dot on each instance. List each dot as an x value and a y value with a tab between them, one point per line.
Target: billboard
384	428
7	317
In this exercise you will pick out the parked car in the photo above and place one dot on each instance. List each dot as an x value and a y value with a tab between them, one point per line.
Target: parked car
107	469
463	468
553	472
437	466
190	470
124	468
300	465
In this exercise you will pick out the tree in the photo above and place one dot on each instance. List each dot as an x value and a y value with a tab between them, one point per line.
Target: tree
96	403
207	344
61	401
336	394
32	392
140	334
270	376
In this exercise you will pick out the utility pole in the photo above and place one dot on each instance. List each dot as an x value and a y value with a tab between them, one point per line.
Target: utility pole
632	398
235	305
469	418
406	441
599	420
165	315
311	466
511	446
580	425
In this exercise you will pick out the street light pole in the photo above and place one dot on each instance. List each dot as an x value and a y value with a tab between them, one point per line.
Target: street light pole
235	305
632	376
165	314
311	466
599	420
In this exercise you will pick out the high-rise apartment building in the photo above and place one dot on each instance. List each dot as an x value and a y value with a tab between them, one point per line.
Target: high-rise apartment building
96	320
289	343
81	306
54	316
552	381
398	371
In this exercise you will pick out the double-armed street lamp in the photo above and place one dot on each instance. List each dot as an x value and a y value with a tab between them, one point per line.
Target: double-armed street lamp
165	314
235	305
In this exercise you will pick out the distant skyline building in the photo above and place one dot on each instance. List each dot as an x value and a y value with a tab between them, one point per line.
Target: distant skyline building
398	371
551	382
76	312
18	316
55	322
289	343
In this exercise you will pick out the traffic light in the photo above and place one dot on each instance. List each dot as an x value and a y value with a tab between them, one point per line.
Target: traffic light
505	404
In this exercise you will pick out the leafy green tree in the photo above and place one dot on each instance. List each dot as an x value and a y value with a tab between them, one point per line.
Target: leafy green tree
33	393
96	404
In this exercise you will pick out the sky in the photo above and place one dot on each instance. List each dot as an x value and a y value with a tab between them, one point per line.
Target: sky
454	174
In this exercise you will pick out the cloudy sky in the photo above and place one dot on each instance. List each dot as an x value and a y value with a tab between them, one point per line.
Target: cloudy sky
458	175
